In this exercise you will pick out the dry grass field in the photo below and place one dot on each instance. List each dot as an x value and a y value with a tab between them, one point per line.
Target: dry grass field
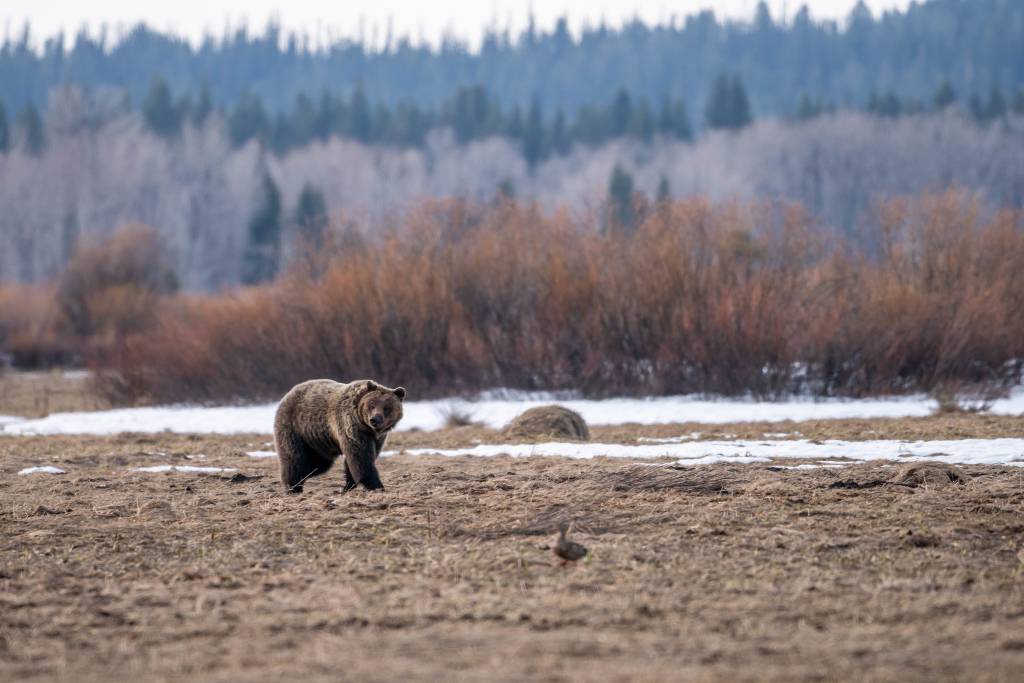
37	394
722	572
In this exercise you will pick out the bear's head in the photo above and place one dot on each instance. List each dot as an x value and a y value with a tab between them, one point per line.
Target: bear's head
380	408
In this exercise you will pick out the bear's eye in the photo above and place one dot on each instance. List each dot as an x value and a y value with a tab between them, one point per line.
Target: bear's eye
387	411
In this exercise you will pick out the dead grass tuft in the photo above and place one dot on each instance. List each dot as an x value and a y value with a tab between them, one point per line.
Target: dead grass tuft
928	474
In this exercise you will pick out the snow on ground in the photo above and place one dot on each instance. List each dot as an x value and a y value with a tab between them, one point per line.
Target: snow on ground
669	439
496	412
961	451
184	468
46	469
817	465
429	415
262	454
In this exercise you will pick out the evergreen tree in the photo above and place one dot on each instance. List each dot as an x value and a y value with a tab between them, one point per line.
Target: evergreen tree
807	109
507	189
995	108
514	127
302	124
471	113
204	107
561	140
311	215
330	115
619	114
887	105
263	253
5	134
674	120
533	136
728	107
248	120
641	122
30	123
977	109
590	126
281	139
1018	102
158	110
664	191
360	122
945	96
621	212
410	126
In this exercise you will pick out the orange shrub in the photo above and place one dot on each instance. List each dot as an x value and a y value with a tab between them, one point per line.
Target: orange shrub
716	298
111	287
28	330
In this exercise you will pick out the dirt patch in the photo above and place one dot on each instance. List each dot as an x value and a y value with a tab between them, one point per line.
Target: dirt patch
727	572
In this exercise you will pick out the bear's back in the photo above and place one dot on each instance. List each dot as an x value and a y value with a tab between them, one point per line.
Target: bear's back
307	409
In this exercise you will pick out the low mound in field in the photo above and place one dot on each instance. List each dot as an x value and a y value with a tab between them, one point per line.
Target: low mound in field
554	422
928	474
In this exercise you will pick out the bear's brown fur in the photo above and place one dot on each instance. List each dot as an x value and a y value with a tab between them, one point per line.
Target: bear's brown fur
321	419
548	422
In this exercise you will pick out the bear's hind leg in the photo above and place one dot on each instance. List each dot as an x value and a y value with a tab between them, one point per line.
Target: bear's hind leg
299	463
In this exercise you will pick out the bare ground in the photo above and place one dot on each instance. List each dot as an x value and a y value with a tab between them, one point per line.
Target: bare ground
714	573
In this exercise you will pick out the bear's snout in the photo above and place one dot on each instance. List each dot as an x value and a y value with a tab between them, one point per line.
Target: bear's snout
376	421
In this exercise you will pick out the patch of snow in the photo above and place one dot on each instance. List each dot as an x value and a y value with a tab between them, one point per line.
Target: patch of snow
496	412
185	468
817	465
669	439
9	420
77	374
961	451
1011	405
180	419
262	454
45	469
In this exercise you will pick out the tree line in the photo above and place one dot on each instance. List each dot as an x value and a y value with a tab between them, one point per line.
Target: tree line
973	45
474	113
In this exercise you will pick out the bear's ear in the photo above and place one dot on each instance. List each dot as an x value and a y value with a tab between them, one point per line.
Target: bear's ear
400	393
366	388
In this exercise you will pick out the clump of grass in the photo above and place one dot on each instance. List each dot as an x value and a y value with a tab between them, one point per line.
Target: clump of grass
455	416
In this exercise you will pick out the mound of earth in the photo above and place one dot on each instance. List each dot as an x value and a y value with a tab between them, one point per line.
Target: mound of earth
553	422
928	474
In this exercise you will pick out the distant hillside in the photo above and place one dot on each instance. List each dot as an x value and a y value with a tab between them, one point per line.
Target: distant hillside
974	45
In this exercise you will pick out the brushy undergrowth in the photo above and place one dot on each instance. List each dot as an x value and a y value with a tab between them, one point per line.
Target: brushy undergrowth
700	297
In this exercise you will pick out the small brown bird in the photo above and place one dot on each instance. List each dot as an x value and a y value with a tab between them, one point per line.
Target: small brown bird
568	551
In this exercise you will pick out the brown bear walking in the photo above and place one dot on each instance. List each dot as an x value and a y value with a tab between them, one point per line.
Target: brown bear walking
321	419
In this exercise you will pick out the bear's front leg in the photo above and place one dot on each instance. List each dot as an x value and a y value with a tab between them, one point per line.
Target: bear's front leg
360	466
350	481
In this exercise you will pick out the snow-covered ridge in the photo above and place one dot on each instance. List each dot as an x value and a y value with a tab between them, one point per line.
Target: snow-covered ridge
496	412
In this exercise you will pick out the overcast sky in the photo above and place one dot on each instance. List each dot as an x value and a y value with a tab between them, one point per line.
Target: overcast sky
421	20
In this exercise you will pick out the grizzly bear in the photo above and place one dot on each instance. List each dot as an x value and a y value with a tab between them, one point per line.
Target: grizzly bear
321	419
